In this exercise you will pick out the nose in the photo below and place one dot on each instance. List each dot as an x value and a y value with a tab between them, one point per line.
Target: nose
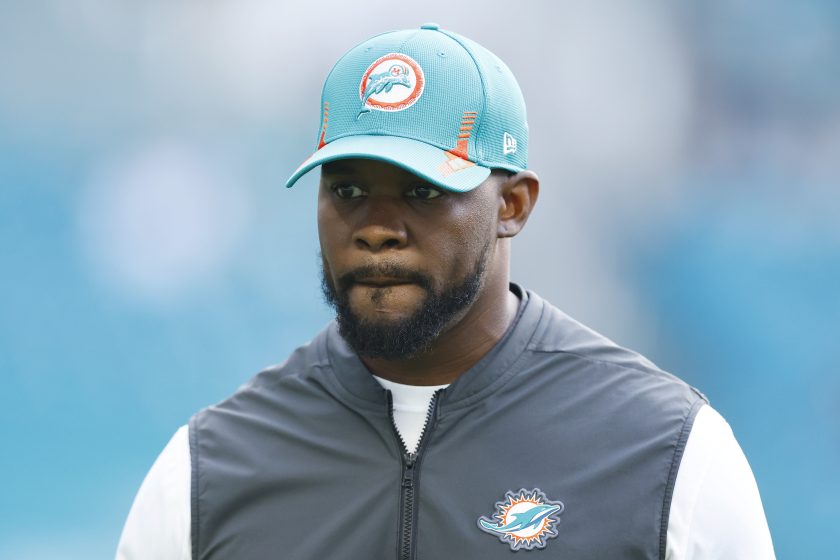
381	228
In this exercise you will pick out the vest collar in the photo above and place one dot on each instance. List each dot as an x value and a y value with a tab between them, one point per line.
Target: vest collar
355	381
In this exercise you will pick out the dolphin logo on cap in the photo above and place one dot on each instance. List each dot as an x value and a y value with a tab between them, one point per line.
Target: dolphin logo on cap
396	75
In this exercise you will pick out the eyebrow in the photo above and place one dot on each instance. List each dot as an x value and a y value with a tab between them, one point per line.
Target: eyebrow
343	167
338	166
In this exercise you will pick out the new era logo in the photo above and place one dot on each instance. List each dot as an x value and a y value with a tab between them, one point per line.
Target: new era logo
508	144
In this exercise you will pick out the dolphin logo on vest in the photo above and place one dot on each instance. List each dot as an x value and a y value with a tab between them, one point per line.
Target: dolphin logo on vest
526	519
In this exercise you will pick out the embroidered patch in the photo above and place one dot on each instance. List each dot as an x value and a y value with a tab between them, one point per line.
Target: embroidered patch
391	83
524	519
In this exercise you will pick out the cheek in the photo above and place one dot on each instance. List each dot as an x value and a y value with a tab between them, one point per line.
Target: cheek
475	226
328	230
459	243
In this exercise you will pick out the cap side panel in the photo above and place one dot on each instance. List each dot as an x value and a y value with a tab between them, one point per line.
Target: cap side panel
503	141
476	155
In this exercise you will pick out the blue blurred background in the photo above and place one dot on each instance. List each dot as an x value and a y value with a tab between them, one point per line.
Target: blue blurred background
152	262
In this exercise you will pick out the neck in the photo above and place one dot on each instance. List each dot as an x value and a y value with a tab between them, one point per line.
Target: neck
460	346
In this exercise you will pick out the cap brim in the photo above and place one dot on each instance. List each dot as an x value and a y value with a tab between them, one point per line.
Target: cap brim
430	163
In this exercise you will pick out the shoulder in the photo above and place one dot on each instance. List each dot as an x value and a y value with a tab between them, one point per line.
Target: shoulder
158	524
580	351
716	509
296	374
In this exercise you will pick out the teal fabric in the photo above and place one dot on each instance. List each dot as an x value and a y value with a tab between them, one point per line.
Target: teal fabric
466	90
417	157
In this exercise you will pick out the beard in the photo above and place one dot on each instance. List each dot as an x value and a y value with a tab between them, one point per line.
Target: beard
414	334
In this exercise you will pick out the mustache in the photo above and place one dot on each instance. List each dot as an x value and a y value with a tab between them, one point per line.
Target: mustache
391	270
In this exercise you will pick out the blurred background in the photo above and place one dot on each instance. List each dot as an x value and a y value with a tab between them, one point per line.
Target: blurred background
152	261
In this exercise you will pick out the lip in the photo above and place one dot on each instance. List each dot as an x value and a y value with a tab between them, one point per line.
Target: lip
381	281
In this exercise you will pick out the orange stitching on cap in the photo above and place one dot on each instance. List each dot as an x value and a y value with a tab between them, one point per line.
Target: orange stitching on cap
453	164
461	149
321	142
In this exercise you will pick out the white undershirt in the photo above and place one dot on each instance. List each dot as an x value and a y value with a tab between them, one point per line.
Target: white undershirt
716	510
410	404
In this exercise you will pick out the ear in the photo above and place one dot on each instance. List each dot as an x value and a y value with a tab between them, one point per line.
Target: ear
517	198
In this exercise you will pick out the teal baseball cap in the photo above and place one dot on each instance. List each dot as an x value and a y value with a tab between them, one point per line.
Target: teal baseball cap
432	102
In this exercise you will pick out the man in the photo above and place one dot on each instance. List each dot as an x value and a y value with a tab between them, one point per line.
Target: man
446	413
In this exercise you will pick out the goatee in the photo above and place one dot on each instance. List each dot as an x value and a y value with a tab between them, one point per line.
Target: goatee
412	335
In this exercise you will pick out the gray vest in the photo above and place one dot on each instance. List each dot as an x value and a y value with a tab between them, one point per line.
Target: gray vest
557	443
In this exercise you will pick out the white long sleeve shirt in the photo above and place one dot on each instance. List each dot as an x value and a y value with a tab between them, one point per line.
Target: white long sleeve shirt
716	510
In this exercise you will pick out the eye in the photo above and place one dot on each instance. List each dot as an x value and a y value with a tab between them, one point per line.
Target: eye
424	192
347	191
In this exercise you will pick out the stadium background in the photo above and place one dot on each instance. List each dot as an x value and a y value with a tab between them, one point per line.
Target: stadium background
152	262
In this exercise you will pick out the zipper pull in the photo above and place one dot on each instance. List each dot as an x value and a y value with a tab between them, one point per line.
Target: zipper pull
408	471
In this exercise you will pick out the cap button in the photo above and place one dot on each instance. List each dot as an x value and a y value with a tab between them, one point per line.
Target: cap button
432	26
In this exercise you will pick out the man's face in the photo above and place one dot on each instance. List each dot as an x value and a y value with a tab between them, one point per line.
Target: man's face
402	259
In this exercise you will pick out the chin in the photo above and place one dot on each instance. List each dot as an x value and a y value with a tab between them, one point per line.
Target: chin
386	304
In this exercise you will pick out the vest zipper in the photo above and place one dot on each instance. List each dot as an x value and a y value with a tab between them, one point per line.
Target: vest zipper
408	485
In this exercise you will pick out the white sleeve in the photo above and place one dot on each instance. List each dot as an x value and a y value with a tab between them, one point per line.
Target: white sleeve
158	525
716	510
